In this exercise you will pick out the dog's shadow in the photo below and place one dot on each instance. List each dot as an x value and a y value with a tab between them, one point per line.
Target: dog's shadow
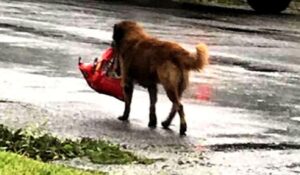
134	133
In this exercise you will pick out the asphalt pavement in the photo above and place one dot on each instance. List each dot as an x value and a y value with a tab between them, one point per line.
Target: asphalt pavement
242	111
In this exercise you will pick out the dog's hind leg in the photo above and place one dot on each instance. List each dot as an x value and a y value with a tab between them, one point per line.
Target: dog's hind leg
128	91
181	87
177	107
172	94
174	89
170	117
182	120
153	99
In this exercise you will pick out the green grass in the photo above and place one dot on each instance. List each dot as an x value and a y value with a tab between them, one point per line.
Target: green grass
45	147
14	164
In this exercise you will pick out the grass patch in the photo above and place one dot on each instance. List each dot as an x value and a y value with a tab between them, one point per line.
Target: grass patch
45	147
13	164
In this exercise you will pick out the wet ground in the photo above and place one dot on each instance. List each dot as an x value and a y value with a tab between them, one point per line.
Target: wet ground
243	111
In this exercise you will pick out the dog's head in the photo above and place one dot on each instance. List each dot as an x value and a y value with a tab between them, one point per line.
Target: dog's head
125	29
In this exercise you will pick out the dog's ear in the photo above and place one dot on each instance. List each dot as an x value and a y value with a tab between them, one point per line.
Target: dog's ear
118	34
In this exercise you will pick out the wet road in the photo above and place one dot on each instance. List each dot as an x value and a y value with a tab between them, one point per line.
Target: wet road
245	106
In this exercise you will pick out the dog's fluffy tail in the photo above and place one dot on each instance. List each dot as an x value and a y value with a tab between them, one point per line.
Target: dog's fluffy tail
198	60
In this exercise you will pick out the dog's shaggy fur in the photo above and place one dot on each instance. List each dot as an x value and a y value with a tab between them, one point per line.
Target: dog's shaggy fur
148	61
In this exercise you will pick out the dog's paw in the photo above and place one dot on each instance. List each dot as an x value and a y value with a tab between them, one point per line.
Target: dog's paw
165	124
182	130
152	124
122	118
182	133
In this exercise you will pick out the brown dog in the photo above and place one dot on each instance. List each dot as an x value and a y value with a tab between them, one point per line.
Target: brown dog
148	61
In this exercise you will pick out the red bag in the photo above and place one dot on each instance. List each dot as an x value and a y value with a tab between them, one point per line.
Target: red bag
97	75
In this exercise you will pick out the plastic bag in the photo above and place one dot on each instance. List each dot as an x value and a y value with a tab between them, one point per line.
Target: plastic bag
100	76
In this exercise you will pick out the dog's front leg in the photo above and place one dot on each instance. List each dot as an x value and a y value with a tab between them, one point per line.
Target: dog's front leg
153	99
128	91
